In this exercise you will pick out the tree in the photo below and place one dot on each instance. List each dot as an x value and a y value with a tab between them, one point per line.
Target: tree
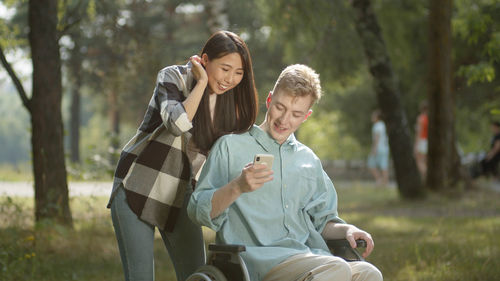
75	71
444	168
44	106
388	96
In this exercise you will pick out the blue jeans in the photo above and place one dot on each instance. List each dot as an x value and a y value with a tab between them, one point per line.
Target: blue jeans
135	241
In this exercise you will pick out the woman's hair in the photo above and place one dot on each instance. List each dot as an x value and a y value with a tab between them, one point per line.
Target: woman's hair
235	110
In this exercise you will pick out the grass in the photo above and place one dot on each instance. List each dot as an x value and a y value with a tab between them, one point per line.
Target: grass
434	239
51	252
19	172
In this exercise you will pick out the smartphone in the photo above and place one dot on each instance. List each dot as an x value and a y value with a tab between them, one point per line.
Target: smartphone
264	159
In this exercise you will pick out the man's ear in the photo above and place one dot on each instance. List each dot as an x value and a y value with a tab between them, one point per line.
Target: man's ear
268	100
308	114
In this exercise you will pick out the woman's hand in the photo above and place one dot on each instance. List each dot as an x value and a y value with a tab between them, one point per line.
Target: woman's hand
193	100
199	72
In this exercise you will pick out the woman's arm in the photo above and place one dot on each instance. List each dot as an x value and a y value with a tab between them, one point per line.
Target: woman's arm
175	109
193	100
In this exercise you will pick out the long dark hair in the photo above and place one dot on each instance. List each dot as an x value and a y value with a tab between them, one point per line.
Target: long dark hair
235	110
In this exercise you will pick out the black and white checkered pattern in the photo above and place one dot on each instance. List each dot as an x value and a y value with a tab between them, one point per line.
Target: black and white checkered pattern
154	167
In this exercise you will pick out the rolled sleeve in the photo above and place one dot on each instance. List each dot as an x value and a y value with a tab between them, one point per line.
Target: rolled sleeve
324	206
199	208
169	91
213	176
175	118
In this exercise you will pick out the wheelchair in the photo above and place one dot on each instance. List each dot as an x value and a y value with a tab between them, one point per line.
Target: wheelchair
225	263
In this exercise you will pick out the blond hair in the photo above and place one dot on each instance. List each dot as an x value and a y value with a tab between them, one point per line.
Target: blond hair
299	80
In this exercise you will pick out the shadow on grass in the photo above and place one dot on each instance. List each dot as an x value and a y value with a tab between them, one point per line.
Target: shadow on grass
434	239
52	252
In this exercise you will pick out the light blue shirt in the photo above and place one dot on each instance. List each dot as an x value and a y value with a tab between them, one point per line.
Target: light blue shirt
378	129
284	217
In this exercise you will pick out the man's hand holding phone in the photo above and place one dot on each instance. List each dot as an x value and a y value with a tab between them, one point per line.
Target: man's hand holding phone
256	174
253	176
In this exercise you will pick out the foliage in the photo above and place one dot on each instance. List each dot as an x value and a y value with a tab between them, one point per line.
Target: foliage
477	58
404	27
14	129
97	153
477	26
337	55
322	134
13	31
125	43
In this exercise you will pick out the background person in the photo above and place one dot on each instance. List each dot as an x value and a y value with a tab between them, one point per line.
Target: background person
378	160
489	164
421	134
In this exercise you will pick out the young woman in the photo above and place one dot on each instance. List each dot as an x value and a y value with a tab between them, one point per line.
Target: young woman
191	107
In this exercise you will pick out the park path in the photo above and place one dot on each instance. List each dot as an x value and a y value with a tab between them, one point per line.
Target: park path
25	189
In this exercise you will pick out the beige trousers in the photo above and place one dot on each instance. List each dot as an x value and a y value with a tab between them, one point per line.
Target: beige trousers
308	267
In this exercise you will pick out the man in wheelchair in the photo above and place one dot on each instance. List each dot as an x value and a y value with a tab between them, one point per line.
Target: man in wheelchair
283	213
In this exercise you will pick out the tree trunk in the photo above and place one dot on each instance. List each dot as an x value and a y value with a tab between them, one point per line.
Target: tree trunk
388	97
51	188
444	167
75	68
114	123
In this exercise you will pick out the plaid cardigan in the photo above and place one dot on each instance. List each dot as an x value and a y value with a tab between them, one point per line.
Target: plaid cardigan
155	165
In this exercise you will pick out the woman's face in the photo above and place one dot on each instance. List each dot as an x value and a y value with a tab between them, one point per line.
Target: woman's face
223	73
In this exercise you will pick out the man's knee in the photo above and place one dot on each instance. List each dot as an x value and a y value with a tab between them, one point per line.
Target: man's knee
338	269
344	270
364	271
374	274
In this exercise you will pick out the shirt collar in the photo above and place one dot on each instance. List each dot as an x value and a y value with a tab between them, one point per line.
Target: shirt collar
267	142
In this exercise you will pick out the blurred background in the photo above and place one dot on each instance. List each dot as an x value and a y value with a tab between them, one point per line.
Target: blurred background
111	51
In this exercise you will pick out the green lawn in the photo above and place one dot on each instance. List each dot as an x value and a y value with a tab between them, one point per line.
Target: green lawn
435	239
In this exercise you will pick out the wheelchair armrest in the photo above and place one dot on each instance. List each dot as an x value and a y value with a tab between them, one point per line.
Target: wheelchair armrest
227	259
229	248
360	243
342	248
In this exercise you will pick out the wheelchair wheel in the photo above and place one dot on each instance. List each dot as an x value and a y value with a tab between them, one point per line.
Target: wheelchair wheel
207	273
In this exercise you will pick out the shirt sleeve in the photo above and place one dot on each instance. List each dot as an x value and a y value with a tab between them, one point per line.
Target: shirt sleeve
323	208
169	96
215	174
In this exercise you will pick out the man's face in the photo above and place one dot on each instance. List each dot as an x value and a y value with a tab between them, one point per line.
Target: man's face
285	114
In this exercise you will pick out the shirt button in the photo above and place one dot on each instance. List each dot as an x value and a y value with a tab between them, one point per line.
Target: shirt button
286	206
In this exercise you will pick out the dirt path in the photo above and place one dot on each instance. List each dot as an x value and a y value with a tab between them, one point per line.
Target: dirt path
25	189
